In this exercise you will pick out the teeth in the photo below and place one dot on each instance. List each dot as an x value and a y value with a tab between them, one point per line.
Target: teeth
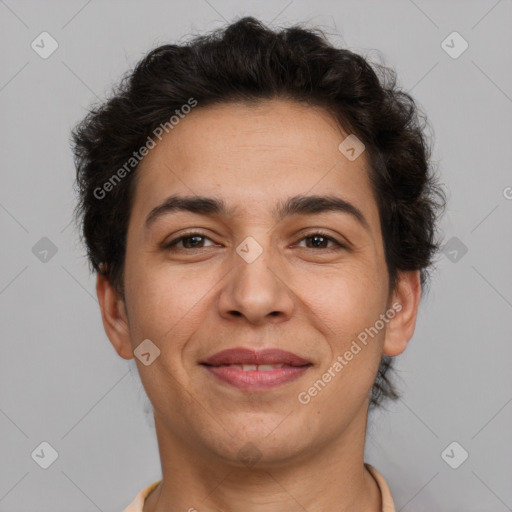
268	367
252	367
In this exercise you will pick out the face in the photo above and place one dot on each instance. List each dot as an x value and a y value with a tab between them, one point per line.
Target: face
256	275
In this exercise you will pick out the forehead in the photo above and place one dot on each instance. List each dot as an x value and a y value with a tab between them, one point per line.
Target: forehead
253	156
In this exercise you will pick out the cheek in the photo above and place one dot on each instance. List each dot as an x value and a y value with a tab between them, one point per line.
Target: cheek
349	305
346	299
165	303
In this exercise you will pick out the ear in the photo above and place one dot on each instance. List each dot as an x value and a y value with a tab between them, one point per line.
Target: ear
400	328
115	319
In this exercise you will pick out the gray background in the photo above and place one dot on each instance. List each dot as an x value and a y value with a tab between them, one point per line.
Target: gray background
60	379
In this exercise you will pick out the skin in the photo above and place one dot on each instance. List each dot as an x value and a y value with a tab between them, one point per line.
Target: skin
199	299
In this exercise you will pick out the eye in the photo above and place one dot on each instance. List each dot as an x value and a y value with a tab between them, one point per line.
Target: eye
319	241
196	240
188	241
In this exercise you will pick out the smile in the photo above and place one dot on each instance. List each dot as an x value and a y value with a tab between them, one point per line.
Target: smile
251	377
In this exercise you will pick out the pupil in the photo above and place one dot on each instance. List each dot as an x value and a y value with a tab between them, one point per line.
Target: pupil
194	240
316	239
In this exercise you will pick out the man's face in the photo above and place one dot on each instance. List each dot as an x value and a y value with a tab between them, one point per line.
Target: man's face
289	288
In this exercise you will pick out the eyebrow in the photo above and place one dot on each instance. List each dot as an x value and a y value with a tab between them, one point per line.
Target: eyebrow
296	205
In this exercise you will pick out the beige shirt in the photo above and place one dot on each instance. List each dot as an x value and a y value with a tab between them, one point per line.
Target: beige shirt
387	502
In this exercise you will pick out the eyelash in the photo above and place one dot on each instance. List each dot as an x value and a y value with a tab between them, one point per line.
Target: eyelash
172	244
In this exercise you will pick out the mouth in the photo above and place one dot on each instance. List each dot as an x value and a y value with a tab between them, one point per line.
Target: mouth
256	370
252	367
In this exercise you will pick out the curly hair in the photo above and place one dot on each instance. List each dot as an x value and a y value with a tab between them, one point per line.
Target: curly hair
248	62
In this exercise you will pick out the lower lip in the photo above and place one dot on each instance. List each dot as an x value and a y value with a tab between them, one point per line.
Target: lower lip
255	380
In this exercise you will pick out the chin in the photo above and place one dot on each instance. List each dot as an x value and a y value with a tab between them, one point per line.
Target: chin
262	447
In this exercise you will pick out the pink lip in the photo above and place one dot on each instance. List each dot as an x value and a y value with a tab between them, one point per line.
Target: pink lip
246	356
254	380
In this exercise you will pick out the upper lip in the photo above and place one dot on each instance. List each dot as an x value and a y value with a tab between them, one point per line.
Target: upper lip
246	356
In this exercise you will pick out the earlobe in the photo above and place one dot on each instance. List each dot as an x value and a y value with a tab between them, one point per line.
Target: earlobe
405	300
114	317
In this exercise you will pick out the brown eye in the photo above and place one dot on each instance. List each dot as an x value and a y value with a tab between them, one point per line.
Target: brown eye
318	241
191	242
188	241
321	241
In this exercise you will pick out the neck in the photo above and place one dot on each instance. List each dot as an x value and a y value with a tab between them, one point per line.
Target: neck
329	477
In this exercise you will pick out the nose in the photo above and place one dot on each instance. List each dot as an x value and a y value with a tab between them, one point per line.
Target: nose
257	291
